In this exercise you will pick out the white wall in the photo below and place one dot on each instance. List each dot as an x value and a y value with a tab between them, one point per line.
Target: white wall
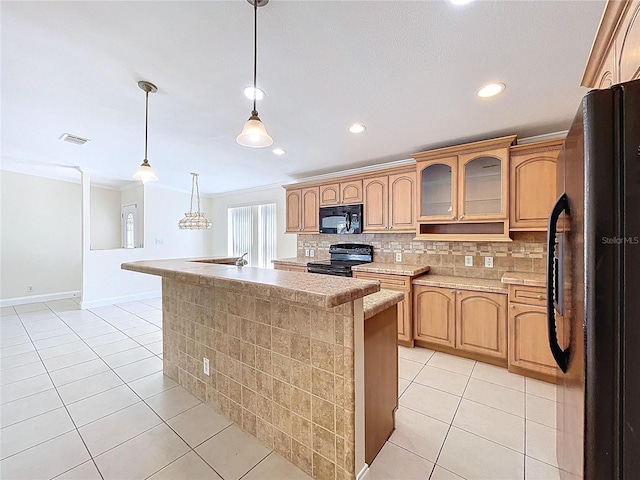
104	282
286	242
106	224
40	235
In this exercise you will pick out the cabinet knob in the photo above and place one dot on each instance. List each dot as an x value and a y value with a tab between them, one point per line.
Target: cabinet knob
539	297
461	217
453	291
513	306
453	217
390	228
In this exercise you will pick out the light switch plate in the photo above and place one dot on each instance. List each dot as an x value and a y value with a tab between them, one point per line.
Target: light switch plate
205	365
468	261
398	256
488	262
306	252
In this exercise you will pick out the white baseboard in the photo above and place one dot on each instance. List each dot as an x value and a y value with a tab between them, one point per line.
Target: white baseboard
103	302
363	472
10	302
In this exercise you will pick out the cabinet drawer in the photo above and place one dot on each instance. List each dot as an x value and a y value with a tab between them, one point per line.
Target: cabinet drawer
528	295
390	282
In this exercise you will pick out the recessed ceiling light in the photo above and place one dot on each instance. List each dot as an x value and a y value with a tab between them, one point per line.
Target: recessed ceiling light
357	128
279	151
460	2
248	92
491	89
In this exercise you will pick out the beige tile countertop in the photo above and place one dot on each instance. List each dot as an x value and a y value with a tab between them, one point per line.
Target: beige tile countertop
405	269
529	279
463	283
295	261
324	291
380	301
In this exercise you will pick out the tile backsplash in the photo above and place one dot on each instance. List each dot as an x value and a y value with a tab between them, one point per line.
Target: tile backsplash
526	253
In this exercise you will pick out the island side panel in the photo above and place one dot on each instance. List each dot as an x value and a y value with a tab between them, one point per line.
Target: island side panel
281	370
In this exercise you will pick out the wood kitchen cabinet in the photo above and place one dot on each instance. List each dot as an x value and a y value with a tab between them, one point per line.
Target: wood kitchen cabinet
402	284
529	352
615	53
389	202
457	321
533	184
302	210
463	191
341	193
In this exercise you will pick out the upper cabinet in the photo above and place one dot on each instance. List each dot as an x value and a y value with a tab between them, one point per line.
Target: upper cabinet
389	202
533	184
464	190
302	210
341	193
615	54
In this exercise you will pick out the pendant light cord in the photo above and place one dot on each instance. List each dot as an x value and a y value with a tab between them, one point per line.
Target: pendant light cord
146	123
255	53
198	193
193	182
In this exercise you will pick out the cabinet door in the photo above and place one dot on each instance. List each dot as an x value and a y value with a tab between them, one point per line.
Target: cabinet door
533	189
438	190
376	203
434	314
405	333
294	211
402	192
329	195
481	323
483	188
351	192
310	212
628	44
528	339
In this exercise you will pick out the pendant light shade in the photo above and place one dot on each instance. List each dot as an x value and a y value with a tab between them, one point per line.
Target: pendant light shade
194	220
144	172
254	134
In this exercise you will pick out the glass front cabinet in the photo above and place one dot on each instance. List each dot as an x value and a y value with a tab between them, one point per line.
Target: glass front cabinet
464	190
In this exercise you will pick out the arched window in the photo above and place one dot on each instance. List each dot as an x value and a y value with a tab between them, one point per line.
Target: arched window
130	230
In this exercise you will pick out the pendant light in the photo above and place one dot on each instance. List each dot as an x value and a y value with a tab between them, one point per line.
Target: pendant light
194	220
254	134
144	171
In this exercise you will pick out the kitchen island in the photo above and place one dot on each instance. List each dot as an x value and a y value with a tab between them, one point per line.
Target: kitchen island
286	354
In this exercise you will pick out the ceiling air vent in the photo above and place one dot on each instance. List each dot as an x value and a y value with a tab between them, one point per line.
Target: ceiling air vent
67	137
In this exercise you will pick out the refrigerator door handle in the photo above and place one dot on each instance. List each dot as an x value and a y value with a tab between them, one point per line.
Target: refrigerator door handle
561	356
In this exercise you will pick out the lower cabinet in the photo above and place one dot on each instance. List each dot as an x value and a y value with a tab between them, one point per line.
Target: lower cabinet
291	268
464	320
529	352
398	283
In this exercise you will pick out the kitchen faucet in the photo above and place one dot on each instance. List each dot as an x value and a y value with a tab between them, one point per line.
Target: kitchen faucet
241	261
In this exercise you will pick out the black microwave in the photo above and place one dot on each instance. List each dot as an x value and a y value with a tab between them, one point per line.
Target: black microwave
341	219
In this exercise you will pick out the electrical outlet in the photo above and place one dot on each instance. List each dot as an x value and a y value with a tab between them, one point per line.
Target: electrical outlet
488	262
398	256
205	365
306	252
468	261
29	288
312	253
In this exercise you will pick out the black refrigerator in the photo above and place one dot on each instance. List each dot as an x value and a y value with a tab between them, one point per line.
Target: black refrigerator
593	288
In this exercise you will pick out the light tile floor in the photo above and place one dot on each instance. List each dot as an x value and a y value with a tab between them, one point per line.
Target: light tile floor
83	397
458	418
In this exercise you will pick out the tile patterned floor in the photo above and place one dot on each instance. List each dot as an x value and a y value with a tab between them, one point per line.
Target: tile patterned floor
83	397
458	418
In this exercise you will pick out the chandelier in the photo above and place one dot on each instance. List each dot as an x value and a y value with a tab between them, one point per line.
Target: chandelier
194	220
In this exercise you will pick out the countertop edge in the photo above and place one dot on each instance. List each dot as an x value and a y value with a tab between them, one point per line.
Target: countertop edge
463	283
400	269
377	302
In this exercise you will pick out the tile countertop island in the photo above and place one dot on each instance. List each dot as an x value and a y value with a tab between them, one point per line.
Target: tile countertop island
286	352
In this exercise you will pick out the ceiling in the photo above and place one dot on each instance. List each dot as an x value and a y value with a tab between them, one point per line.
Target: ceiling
408	70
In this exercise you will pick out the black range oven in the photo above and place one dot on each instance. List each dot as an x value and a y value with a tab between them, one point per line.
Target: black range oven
343	257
